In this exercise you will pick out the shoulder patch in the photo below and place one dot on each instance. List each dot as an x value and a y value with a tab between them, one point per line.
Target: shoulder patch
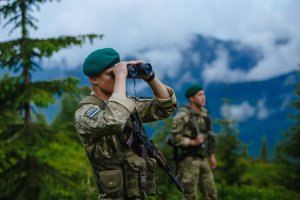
91	112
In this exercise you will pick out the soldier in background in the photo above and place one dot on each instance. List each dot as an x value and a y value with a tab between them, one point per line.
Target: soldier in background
104	126
194	145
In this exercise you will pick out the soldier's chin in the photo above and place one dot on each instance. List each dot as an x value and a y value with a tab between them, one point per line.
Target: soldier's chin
108	92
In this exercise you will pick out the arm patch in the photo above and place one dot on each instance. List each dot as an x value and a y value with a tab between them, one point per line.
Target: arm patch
92	112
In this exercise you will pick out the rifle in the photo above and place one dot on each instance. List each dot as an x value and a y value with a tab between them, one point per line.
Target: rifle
201	147
207	128
139	134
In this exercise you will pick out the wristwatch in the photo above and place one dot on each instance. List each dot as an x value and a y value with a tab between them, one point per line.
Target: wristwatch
151	77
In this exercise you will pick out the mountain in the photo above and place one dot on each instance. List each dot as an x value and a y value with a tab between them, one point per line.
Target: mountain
260	108
268	107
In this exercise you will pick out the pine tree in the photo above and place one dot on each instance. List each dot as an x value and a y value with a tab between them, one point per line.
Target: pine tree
166	187
73	158
263	156
230	151
25	170
288	152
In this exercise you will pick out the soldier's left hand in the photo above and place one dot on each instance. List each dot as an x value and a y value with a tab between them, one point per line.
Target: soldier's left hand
213	161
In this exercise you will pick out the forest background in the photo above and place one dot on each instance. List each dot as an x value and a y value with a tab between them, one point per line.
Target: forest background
43	159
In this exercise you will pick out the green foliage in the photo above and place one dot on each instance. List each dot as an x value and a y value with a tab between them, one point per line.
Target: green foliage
68	156
38	161
230	151
10	88
166	187
41	93
264	150
52	157
226	192
229	192
17	12
55	161
256	179
260	173
11	51
288	152
64	119
238	176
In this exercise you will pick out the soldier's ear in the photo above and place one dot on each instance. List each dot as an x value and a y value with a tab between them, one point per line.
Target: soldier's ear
93	80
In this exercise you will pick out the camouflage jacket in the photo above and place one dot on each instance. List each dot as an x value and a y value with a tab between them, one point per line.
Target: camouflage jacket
102	130
184	129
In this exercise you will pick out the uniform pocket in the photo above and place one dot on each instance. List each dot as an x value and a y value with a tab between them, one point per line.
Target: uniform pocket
151	178
132	174
112	182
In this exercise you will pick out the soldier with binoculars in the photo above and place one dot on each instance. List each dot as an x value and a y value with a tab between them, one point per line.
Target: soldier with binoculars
104	124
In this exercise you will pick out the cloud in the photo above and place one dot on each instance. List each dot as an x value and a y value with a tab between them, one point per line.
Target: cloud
262	111
165	60
243	111
133	25
220	71
239	112
185	78
278	59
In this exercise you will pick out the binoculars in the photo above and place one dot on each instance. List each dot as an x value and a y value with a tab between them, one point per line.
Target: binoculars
139	71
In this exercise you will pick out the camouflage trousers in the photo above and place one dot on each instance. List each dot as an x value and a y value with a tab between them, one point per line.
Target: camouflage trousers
195	175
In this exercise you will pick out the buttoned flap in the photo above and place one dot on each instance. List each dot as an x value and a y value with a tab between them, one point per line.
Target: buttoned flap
111	180
135	162
151	163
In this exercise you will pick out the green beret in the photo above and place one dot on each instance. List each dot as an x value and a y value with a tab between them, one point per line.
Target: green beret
99	60
192	90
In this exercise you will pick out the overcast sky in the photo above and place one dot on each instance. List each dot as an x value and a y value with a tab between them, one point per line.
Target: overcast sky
168	26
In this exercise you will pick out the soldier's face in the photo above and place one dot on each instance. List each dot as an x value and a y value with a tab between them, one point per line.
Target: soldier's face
106	81
199	99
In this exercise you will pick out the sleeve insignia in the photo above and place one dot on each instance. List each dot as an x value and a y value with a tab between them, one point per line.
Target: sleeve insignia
91	112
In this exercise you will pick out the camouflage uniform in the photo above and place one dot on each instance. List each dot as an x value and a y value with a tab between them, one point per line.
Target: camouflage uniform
104	128
192	163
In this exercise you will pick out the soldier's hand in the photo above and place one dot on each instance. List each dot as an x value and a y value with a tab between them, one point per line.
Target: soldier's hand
213	161
198	140
120	70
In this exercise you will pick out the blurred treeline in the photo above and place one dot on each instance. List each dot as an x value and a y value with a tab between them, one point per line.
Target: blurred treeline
41	160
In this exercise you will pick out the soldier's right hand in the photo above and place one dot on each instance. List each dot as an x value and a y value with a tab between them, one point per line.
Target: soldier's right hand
198	140
120	70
